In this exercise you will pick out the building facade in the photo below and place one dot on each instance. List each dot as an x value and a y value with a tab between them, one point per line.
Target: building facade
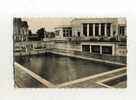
97	35
63	32
87	28
20	30
99	27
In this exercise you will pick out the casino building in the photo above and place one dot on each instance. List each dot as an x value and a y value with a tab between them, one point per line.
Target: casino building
97	35
87	28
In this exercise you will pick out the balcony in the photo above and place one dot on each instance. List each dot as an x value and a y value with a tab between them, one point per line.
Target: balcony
98	39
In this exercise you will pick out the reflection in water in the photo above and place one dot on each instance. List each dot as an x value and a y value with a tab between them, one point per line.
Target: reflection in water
59	69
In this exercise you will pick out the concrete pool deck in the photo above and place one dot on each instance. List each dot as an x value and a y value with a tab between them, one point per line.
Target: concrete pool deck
121	84
22	74
32	75
76	55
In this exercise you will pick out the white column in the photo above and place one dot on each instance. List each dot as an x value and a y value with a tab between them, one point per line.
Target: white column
105	28
116	30
81	30
61	33
100	49
99	29
113	50
94	30
87	29
90	49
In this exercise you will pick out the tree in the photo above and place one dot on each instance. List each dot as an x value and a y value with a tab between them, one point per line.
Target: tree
29	33
40	33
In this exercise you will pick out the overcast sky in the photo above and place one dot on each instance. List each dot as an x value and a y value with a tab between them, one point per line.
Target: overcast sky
48	23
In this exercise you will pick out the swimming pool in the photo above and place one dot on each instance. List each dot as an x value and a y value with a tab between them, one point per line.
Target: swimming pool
59	69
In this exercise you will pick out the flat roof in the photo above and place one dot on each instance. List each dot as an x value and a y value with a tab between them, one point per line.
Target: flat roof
90	18
120	19
63	26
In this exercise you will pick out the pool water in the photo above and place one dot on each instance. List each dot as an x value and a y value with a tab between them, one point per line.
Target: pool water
58	69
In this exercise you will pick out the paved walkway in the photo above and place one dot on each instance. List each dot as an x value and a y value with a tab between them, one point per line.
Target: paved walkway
91	81
26	78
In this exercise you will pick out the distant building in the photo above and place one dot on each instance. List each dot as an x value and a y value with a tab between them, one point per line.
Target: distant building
63	32
20	30
33	37
49	35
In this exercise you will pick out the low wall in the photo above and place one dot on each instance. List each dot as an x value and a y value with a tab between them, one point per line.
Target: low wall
121	50
68	46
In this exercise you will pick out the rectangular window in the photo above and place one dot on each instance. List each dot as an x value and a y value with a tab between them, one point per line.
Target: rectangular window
106	49
64	33
70	33
85	29
57	32
86	48
90	29
96	29
122	30
102	29
67	31
78	33
108	29
95	49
